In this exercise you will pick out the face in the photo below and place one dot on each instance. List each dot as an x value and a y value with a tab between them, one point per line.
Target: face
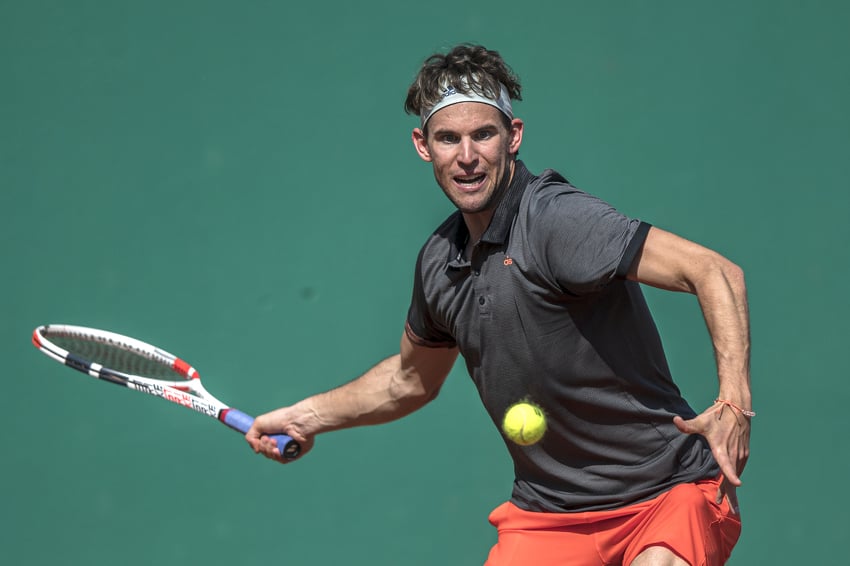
472	152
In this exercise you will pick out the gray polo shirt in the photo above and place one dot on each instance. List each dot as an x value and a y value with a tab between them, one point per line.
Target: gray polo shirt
542	311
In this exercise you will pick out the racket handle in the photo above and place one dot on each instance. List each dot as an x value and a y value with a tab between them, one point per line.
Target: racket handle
237	420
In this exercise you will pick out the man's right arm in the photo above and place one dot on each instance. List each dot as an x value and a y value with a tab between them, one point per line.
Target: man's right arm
395	387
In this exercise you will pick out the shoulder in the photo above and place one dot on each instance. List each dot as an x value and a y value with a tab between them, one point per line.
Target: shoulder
551	197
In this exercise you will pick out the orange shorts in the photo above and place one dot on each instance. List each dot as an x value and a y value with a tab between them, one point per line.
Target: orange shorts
685	519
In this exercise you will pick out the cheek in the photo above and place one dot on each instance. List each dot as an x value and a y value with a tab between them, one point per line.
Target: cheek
441	162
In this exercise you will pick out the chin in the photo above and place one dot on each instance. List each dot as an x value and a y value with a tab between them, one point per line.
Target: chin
472	207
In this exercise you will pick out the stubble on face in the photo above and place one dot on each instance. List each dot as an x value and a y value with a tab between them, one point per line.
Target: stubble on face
468	145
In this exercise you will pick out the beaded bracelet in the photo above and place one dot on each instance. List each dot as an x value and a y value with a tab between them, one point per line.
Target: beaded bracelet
744	412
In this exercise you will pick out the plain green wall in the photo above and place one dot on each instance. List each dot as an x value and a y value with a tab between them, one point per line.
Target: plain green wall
235	182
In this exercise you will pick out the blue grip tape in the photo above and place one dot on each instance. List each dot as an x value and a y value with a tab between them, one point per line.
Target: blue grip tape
240	421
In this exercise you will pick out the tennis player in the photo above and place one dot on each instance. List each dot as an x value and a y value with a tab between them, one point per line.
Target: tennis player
536	284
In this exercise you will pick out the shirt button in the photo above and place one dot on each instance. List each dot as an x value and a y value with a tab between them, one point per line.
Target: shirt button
481	300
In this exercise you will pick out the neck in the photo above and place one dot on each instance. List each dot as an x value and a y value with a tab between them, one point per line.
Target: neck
477	224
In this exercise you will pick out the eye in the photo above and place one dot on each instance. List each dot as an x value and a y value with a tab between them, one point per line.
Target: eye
447	138
483	135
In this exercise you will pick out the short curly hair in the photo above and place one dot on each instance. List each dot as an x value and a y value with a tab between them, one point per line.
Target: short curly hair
466	67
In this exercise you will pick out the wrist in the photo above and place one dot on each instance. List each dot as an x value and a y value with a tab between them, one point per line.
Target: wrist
739	395
745	410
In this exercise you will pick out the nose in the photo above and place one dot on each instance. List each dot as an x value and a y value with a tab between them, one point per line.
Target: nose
467	156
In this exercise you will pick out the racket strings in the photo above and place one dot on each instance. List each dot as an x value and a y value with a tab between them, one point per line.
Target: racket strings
119	357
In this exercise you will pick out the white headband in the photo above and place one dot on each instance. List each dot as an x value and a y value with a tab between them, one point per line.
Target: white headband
452	96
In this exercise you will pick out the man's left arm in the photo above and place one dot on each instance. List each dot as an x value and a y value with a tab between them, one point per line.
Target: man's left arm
669	262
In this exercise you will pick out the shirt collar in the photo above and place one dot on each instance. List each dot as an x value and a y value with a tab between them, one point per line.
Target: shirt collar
500	225
503	218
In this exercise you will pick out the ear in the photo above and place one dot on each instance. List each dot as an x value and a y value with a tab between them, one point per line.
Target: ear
515	136
421	144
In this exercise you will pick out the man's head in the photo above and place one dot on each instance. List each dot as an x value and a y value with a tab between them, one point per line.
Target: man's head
471	70
468	131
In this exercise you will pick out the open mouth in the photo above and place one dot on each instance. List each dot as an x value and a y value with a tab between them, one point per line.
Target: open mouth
470	181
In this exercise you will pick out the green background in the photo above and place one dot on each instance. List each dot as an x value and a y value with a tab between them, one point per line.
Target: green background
235	182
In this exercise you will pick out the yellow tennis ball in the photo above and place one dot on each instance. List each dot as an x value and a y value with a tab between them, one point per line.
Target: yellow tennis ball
524	424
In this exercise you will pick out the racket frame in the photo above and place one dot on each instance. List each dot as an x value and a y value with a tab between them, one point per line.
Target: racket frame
190	393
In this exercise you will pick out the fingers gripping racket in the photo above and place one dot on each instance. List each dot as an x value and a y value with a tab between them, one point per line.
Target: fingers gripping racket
137	365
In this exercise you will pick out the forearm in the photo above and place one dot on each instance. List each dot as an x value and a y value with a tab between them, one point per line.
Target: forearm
722	295
381	395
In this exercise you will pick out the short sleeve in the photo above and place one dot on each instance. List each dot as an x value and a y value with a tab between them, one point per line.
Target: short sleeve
582	242
421	327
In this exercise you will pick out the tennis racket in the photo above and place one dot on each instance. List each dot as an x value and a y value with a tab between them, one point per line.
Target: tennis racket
140	366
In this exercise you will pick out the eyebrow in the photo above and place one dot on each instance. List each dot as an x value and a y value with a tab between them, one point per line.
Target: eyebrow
447	130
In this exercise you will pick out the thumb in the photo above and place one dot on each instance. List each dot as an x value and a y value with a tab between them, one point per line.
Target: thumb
686	427
253	438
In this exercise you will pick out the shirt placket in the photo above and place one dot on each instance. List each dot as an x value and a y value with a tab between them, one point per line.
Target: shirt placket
481	284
